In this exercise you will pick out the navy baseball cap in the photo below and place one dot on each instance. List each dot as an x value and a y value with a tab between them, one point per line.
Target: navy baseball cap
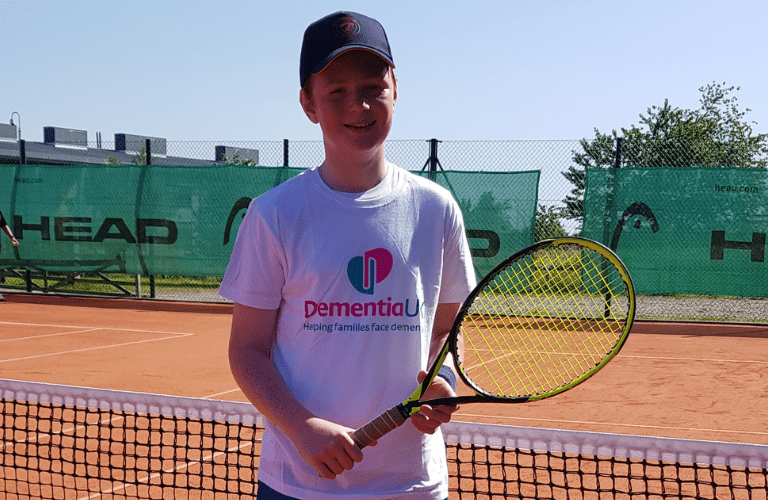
337	33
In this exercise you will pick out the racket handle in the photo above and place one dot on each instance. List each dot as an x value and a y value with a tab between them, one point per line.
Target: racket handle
376	428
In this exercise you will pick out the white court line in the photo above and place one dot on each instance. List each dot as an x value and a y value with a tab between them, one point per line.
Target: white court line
85	329
109	346
101	327
483	362
33	337
211	396
631	356
635	426
71	430
39	437
185	465
611	424
704	360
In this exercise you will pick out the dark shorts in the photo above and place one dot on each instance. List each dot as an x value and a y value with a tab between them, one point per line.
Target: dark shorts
267	493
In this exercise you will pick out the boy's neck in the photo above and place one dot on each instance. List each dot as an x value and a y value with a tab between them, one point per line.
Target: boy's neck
353	173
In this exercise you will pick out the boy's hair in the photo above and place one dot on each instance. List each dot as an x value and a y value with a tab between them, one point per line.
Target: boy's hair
327	38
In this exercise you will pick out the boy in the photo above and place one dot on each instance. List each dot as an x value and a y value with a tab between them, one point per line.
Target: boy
346	280
7	230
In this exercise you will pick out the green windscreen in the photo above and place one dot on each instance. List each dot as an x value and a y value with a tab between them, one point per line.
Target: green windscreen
129	218
168	220
499	210
683	230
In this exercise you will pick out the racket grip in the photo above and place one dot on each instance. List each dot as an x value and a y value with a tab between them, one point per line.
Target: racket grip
376	428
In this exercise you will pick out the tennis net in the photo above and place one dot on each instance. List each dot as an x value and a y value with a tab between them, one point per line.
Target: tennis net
63	442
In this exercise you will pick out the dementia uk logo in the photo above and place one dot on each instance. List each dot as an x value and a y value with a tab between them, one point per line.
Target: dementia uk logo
364	273
372	267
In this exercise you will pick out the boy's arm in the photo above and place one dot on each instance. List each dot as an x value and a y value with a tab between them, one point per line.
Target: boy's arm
428	419
7	230
326	446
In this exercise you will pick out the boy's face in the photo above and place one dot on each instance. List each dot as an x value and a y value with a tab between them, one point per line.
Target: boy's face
353	101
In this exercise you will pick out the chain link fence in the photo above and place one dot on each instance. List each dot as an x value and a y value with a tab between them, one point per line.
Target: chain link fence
561	164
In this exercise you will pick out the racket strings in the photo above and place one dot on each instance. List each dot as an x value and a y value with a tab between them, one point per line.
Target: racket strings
544	321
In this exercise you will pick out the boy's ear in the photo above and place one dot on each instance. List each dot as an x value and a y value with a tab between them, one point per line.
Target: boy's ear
394	97
308	106
394	79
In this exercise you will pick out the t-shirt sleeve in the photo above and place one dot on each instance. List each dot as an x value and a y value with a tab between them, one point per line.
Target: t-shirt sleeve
255	274
458	278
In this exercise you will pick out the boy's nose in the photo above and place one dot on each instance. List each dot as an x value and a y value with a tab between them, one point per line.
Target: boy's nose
361	101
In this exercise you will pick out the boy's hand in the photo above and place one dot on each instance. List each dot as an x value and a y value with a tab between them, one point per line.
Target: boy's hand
428	419
15	242
328	447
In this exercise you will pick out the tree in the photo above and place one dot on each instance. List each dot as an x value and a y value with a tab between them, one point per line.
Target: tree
141	157
597	153
715	135
548	223
236	160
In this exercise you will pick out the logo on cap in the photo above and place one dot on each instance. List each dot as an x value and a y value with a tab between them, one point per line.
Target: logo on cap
346	27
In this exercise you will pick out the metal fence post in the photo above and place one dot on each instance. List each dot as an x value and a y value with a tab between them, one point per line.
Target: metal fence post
285	152
433	162
609	192
22	161
148	147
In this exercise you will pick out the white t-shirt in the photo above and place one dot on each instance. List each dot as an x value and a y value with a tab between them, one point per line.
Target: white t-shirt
357	278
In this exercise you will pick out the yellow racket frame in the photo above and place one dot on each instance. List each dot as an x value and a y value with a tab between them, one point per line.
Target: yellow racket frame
397	415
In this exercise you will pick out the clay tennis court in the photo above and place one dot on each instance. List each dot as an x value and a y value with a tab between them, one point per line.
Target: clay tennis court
699	381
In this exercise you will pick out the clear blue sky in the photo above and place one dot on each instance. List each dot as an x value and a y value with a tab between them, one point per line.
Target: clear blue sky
228	71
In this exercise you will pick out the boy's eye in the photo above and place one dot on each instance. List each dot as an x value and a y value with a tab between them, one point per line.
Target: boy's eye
376	91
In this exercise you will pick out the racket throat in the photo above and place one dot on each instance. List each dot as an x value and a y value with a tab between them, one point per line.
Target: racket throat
405	411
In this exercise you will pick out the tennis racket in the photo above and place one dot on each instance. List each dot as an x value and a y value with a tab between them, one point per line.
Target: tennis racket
543	321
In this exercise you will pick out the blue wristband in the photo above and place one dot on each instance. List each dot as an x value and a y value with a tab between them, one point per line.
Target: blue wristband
447	373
